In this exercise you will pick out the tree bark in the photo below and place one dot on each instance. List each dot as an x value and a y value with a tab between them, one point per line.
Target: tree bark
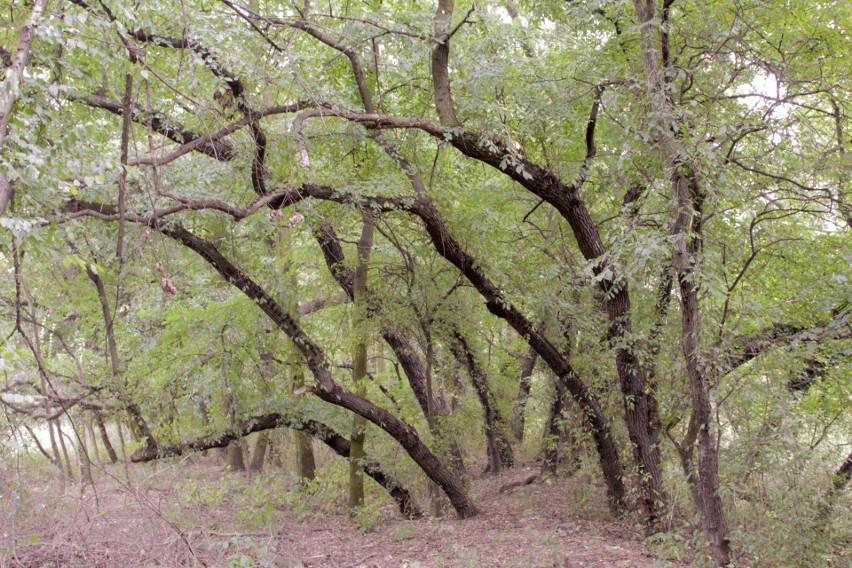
440	64
305	462
496	303
137	421
400	343
234	460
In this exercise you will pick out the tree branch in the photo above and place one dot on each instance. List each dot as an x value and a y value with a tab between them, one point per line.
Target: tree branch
340	445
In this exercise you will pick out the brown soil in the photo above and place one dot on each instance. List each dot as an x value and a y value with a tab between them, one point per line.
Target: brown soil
183	516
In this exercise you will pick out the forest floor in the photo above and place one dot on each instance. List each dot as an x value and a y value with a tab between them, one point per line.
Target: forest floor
192	514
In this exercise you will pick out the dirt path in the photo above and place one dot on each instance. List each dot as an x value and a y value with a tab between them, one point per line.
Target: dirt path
160	522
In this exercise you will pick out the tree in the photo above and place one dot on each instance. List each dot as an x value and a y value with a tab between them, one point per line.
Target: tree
652	197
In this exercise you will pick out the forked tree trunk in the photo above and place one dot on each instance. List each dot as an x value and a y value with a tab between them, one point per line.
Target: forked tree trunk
687	197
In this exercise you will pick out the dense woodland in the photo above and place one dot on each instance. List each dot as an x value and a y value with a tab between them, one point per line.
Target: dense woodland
440	240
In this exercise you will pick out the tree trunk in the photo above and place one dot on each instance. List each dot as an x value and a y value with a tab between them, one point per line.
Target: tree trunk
498	446
57	457
138	424
259	455
59	434
403	348
359	364
305	463
235	461
16	75
122	442
688	198
99	420
332	439
524	386
90	430
37	442
83	454
326	388
552	438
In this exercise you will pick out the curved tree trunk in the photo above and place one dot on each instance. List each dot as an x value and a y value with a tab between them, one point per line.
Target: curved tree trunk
326	388
318	430
402	346
137	421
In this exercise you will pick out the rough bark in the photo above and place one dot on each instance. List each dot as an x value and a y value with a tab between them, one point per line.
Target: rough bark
340	445
566	199
440	63
496	303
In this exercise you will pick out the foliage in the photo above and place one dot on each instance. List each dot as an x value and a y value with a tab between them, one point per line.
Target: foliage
554	106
